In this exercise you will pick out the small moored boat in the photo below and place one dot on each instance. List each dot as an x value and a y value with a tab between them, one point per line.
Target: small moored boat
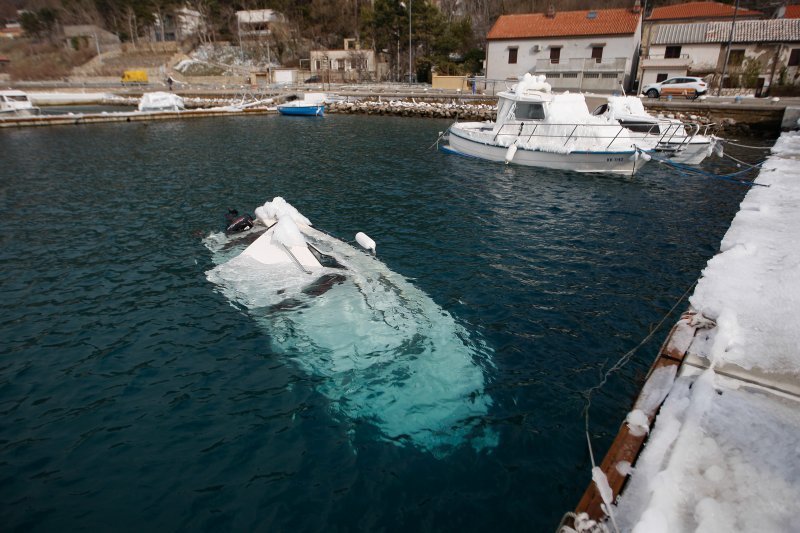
16	104
160	101
535	127
311	105
683	142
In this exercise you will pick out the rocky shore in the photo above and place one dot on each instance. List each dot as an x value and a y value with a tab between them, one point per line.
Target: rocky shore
401	108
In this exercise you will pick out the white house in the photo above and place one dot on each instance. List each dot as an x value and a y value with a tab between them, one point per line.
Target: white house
659	61
349	64
254	23
591	50
767	51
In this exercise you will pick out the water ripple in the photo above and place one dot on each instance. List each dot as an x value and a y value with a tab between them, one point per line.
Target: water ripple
135	396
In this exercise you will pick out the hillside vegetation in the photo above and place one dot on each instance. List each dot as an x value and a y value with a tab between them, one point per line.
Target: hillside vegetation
450	37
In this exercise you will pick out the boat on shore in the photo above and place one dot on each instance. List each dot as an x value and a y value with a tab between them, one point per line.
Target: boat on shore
16	104
687	143
160	101
535	127
311	105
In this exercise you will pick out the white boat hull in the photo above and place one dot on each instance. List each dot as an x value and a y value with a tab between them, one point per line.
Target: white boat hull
613	162
692	153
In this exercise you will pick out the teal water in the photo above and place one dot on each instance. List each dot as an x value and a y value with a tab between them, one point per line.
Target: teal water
136	394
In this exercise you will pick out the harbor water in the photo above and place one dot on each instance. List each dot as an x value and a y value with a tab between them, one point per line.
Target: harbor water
135	393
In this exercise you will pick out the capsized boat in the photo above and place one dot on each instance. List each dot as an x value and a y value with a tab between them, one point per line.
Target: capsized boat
160	101
311	105
683	142
538	128
16	104
384	354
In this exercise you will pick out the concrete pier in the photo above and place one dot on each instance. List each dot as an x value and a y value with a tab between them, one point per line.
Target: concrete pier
718	450
103	118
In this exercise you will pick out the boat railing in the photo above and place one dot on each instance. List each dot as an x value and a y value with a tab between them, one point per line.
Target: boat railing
602	134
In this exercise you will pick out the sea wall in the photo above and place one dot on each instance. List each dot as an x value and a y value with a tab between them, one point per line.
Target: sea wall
453	109
730	116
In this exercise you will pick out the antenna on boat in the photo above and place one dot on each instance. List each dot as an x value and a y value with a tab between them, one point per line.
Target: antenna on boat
623	89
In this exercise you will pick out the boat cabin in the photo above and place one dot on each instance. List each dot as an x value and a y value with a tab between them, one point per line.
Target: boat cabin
16	103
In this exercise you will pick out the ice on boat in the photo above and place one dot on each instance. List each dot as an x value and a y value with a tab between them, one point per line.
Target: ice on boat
535	127
160	101
387	353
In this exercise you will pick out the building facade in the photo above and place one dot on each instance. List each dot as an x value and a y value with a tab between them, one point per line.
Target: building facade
660	61
591	50
348	64
762	53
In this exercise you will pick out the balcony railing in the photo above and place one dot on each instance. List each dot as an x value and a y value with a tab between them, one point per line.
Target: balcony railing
581	65
663	56
655	61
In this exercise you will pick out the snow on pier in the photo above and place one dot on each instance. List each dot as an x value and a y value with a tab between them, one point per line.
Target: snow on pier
723	452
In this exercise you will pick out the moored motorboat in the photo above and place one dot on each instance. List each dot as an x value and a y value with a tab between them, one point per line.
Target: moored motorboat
301	108
310	105
683	142
535	127
16	104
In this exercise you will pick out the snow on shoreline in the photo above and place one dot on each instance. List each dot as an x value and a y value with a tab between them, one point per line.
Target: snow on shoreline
68	98
723	452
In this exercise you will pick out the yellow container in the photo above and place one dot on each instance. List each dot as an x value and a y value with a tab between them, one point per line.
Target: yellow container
134	77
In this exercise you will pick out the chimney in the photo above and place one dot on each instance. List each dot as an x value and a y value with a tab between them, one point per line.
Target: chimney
551	11
637	7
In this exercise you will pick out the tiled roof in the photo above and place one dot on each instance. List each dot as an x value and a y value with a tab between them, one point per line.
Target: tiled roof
792	12
746	31
565	24
699	10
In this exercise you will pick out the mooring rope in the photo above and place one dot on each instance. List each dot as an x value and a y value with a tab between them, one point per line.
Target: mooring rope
621	362
745	145
739	161
686	169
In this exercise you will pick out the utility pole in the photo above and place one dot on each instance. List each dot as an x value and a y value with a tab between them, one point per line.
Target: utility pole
410	67
728	49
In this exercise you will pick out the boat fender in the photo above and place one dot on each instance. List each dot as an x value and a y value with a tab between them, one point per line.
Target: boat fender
365	242
512	150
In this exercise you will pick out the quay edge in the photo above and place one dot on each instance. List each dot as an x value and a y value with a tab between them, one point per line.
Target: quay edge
722	449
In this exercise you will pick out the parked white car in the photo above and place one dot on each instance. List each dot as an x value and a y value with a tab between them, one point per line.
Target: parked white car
685	86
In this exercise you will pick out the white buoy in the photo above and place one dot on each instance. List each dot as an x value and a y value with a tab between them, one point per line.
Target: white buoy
512	150
365	242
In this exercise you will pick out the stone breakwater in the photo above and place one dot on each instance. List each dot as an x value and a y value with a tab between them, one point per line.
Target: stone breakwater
401	108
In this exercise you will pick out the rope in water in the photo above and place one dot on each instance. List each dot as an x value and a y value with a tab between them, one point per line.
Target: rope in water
739	161
686	169
621	362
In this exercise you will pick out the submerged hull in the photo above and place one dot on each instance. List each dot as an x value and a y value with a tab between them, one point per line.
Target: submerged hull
610	162
302	111
381	350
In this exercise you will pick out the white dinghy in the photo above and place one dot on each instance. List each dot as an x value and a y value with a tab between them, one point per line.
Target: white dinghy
160	101
16	104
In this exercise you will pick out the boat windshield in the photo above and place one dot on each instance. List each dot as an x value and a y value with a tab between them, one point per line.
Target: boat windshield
16	98
529	111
